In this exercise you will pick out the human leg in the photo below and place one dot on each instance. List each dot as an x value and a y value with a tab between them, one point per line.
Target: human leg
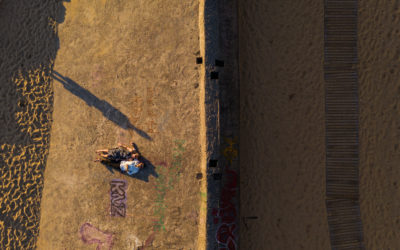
109	162
104	155
102	151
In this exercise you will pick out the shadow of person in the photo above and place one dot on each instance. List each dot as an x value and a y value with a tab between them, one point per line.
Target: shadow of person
61	11
143	174
108	111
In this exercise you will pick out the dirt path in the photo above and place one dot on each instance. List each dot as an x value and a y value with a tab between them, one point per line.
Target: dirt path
124	74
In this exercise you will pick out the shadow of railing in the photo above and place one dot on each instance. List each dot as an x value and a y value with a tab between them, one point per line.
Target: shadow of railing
110	112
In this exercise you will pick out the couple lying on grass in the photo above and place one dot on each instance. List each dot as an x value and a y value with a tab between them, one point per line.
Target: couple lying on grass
123	158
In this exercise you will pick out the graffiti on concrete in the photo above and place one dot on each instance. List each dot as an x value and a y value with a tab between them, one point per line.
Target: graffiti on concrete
225	215
93	235
230	153
118	197
225	236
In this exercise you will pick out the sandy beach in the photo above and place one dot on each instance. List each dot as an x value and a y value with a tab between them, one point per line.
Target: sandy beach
282	129
282	124
26	106
379	123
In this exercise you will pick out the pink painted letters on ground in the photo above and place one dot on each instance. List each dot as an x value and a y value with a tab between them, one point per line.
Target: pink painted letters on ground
118	197
93	235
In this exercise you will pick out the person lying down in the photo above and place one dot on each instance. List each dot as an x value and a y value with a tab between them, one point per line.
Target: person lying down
123	158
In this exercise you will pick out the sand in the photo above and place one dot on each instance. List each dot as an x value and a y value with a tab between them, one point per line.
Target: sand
28	45
282	130
379	123
282	126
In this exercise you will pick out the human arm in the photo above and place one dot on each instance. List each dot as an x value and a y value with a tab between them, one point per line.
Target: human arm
126	147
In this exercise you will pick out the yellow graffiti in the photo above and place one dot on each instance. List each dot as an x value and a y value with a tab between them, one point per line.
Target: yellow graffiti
230	152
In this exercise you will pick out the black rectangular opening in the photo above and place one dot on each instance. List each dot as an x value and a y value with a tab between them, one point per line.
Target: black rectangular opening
199	176
199	60
213	163
219	63
214	75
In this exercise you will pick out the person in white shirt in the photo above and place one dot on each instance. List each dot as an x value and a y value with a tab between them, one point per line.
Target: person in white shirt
132	166
123	158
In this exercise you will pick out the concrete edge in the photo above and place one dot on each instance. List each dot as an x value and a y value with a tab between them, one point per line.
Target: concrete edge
209	111
220	123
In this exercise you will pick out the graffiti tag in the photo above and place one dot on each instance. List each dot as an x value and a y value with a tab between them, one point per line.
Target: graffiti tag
118	197
225	215
93	235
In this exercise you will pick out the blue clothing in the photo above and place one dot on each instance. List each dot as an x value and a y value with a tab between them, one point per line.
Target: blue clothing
131	166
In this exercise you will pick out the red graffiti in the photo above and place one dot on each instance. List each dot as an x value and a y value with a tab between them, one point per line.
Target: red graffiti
225	236
93	235
226	213
232	179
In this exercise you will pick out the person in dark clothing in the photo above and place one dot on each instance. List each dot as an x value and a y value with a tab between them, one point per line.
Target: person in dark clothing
123	158
120	153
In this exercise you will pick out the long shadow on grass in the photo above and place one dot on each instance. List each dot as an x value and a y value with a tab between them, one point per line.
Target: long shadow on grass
110	112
